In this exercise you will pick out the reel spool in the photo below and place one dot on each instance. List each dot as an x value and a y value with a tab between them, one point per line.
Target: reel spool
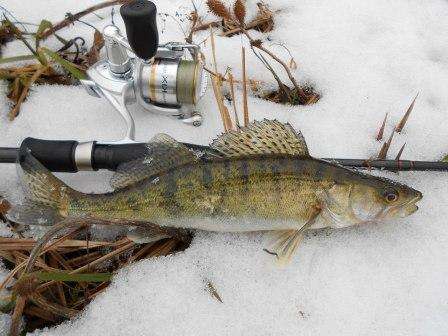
172	82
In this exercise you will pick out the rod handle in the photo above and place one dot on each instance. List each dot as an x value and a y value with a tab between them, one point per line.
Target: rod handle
71	156
56	155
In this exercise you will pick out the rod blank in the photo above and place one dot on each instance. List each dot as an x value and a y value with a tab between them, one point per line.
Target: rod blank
9	155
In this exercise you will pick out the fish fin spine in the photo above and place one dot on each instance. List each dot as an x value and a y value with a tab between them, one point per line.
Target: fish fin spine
162	153
261	137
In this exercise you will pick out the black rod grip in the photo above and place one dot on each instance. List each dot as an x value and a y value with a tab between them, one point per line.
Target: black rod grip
109	157
56	155
141	27
59	155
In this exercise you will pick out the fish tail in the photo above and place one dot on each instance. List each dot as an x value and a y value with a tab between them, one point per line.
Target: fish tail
46	197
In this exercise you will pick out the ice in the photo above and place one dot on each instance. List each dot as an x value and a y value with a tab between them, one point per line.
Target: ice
366	59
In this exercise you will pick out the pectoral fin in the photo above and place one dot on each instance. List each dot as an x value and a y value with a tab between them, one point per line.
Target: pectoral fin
287	241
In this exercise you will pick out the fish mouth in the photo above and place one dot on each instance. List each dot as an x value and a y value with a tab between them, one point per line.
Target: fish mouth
410	207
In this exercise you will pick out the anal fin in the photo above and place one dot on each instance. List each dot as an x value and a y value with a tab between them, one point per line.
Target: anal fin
152	233
145	236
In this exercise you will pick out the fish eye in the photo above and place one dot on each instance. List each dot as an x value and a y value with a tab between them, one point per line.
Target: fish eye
390	195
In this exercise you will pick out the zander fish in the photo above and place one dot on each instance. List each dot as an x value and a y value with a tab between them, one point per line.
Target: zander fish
262	180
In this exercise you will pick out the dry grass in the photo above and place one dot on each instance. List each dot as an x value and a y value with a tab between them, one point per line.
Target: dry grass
54	291
45	66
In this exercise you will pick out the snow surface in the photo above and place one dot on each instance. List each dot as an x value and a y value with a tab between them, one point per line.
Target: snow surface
366	58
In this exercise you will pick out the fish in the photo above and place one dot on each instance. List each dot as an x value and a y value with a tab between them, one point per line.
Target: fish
262	178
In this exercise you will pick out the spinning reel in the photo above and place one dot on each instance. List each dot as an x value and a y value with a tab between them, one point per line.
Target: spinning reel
166	79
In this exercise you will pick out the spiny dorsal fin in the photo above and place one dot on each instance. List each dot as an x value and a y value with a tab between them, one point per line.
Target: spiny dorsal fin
163	153
261	137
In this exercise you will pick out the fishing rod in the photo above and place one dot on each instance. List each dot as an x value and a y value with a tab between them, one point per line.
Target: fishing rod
166	79
72	156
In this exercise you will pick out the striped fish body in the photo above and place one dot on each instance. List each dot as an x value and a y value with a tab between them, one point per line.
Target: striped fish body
236	194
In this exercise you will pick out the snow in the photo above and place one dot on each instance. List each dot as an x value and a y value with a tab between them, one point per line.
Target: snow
366	59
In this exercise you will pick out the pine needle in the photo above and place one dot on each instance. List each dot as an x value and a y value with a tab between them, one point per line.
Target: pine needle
403	120
212	290
397	158
380	134
385	148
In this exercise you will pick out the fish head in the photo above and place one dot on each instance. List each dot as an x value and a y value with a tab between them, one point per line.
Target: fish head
369	199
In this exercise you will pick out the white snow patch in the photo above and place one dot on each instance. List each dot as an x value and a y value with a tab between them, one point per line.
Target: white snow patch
366	59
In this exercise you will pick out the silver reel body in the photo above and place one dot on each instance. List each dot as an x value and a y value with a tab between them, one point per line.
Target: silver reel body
170	83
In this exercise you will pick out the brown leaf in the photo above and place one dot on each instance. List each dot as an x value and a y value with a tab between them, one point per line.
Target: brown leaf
256	43
4	208
94	52
239	9
219	9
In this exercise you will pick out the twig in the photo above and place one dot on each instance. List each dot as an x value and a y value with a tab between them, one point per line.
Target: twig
257	44
17	315
212	41
207	25
70	19
216	85
282	87
245	108
253	24
194	21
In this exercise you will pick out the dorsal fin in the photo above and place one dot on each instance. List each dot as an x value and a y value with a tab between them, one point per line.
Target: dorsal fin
163	153
261	137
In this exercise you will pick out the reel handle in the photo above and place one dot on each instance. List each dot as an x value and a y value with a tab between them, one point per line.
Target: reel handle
139	17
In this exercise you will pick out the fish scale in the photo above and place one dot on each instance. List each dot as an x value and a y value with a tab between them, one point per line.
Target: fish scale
280	188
